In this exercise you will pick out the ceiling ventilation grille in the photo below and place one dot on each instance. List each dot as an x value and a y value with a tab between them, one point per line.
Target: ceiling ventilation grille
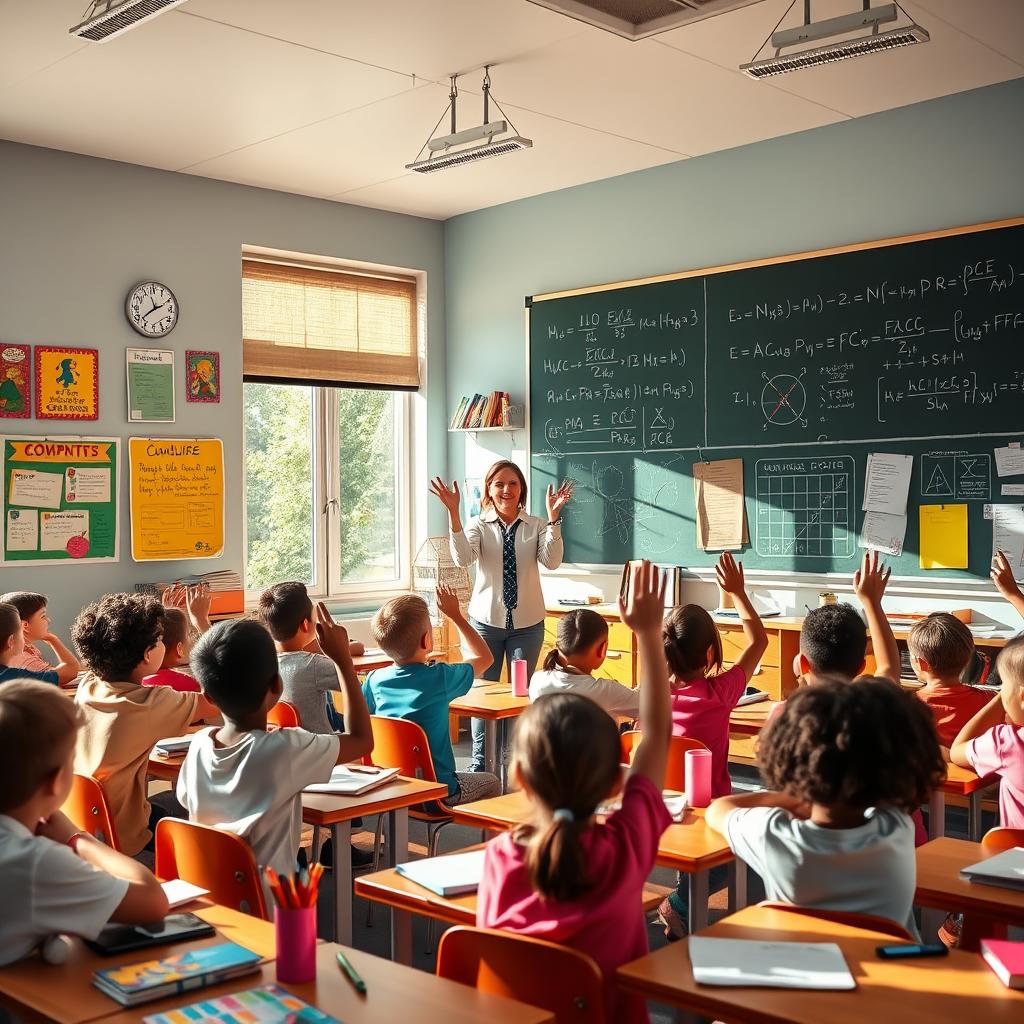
638	19
108	18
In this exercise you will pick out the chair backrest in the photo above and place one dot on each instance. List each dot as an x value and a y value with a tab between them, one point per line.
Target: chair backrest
996	839
87	807
217	860
869	921
555	978
402	745
675	770
284	714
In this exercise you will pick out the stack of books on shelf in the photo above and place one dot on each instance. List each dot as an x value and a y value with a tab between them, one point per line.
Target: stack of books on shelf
226	594
493	410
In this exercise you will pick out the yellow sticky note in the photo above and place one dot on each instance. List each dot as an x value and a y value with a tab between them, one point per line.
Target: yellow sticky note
943	537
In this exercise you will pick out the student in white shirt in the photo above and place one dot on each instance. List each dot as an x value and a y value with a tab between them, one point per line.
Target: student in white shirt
246	779
582	648
849	762
54	878
507	545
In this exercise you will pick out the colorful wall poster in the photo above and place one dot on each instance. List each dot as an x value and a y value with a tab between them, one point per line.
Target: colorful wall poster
177	497
67	383
15	382
202	376
150	376
60	499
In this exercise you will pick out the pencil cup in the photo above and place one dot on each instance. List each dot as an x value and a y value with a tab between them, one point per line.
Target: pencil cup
295	936
698	777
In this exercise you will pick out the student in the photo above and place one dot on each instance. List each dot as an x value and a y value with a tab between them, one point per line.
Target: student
195	600
12	643
941	647
307	675
420	691
845	763
35	623
703	697
833	640
582	647
54	878
989	744
177	647
121	640
563	877
244	778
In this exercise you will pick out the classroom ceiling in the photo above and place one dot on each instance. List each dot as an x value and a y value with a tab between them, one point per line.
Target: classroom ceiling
331	98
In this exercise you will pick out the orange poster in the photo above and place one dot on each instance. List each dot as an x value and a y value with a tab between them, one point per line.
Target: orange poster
67	383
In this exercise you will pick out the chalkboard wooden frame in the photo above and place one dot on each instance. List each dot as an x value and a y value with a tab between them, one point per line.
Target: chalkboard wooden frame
952	580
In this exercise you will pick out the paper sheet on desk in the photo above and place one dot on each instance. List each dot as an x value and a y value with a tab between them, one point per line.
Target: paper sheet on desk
721	514
887	483
675	804
817	965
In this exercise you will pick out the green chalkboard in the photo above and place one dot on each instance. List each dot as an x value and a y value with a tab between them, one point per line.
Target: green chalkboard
800	366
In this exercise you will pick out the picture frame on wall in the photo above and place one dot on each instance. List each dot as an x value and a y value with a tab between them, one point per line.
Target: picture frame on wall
67	383
15	382
202	376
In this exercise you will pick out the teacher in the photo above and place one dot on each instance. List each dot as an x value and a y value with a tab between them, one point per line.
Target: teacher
507	605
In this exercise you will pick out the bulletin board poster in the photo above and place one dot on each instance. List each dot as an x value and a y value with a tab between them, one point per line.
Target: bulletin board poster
60	499
177	497
67	383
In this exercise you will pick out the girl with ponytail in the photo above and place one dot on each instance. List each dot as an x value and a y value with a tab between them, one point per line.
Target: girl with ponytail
582	646
566	877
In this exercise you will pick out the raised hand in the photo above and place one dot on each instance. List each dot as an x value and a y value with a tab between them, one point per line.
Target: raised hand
449	497
333	636
644	607
448	602
197	602
729	574
870	580
1002	577
173	596
556	500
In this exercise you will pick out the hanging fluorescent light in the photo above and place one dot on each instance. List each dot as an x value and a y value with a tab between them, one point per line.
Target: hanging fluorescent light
875	42
108	18
453	150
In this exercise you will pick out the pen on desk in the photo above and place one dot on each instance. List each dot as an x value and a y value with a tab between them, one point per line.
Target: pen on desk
350	972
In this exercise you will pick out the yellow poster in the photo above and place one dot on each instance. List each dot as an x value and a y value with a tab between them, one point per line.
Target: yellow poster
943	537
67	383
177	497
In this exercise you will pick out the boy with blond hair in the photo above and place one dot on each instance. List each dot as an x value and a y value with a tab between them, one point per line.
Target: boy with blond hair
53	877
420	691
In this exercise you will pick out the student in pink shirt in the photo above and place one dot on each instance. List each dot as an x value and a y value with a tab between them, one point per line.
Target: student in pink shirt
177	648
703	697
565	877
35	624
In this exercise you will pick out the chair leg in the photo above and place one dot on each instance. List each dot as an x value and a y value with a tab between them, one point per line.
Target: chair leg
378	851
318	840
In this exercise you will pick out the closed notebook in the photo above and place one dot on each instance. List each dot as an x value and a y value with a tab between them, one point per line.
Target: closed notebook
173	745
453	875
195	968
1006	959
349	780
267	1005
747	962
751	696
1006	869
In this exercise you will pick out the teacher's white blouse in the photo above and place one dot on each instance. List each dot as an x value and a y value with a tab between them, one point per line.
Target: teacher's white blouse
481	540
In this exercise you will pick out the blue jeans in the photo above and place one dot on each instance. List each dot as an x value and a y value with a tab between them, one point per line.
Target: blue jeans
502	644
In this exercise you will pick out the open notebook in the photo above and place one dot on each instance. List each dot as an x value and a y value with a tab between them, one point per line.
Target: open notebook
351	780
747	962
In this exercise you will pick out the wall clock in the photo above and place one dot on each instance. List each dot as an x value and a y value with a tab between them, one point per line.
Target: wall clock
151	309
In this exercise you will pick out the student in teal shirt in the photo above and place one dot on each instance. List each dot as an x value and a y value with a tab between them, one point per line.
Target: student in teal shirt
420	691
12	643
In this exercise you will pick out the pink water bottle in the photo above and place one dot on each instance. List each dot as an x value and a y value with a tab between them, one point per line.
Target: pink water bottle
520	684
698	777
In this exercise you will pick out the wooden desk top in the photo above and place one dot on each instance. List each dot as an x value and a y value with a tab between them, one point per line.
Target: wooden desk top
687	846
393	993
931	990
368	662
329	809
939	883
492	700
65	993
751	719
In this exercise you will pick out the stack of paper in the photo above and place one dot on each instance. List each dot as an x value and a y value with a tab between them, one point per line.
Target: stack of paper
351	780
818	965
886	487
718	495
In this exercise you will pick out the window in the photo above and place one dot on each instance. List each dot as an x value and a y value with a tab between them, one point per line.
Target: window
327	467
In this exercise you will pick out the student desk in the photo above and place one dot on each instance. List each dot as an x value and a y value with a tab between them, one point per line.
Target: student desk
405	897
933	990
493	702
393	993
940	886
688	846
64	992
368	662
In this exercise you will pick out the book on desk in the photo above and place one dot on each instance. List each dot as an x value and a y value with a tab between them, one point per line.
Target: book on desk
453	875
267	1005
1005	869
353	780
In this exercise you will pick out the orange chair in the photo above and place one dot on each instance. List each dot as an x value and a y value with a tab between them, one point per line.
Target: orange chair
868	921
977	926
87	807
556	978
284	714
675	771
217	860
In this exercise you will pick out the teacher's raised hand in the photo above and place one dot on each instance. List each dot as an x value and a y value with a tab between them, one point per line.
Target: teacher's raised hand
450	498
556	500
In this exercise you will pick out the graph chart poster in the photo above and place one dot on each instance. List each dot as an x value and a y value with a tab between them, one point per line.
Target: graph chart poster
60	499
177	497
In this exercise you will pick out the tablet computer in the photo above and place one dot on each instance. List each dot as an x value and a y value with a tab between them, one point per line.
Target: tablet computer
122	938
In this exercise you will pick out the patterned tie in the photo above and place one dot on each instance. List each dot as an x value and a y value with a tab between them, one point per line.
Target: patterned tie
509	581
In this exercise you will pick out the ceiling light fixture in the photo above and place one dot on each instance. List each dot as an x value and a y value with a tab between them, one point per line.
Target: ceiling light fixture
452	150
868	17
105	19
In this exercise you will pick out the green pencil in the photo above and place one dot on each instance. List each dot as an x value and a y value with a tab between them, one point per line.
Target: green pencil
352	974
